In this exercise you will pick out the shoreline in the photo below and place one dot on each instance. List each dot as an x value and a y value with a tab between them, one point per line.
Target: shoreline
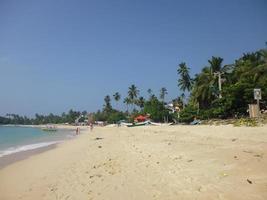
19	156
24	154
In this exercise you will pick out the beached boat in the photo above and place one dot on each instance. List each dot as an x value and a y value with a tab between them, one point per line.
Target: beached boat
160	124
125	124
138	124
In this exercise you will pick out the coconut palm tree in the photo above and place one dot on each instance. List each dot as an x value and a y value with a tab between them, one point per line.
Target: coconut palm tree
163	93
127	101
215	64
184	82
141	102
107	106
133	92
149	91
203	91
117	97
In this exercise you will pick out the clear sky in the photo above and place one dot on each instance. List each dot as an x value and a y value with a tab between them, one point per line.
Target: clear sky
57	55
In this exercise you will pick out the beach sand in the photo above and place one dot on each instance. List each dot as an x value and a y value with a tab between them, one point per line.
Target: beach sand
176	162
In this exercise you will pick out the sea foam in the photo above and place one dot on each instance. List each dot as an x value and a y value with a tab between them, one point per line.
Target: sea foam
13	150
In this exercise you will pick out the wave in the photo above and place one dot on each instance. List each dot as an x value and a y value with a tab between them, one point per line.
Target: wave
13	150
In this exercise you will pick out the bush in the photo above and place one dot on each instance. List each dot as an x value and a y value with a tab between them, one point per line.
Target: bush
115	116
187	115
156	110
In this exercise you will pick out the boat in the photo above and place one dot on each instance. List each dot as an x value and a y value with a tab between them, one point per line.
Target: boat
160	124
49	129
125	124
138	124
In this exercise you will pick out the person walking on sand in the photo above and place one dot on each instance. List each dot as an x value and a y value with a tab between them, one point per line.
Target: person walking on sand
91	126
77	131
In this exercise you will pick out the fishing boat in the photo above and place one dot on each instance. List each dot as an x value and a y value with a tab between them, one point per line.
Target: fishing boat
138	124
49	129
160	124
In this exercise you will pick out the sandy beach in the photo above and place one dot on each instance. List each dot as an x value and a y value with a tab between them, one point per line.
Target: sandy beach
175	162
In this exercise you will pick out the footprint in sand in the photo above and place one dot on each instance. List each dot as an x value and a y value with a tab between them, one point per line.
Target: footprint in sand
258	155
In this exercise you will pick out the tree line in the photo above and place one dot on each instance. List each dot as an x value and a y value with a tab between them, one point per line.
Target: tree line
219	91
69	117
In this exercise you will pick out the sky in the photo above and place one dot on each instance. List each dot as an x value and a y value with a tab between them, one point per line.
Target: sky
58	55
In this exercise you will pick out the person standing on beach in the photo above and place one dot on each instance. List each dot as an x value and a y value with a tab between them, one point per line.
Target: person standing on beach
77	131
91	126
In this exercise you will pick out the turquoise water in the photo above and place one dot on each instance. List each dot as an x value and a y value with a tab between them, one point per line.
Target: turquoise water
17	139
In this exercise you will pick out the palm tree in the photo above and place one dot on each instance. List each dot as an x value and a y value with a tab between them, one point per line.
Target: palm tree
182	98
163	93
107	106
203	91
215	64
133	92
149	91
185	81
141	102
117	97
127	101
218	70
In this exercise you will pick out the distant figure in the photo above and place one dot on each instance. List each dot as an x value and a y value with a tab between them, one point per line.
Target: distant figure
91	126
77	131
195	122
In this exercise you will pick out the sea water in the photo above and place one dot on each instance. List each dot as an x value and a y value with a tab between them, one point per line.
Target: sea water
17	139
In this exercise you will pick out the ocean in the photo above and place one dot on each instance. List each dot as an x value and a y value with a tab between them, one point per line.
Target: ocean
17	139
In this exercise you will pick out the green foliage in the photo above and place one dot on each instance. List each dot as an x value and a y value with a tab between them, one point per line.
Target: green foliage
156	110
107	107
41	119
187	115
239	80
116	116
163	93
184	82
246	122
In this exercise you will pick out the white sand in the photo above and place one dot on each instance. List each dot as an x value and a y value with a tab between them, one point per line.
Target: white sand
179	162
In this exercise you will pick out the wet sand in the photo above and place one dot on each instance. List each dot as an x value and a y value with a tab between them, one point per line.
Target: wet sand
12	158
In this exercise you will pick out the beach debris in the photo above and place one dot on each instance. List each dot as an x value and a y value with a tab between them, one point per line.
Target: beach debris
246	122
247	151
235	157
200	188
258	155
249	181
223	174
99	138
235	139
189	160
99	147
157	162
98	175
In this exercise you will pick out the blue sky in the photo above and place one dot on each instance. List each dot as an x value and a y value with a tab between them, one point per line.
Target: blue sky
57	55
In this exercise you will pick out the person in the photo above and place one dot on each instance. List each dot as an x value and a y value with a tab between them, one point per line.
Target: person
91	126
77	131
195	122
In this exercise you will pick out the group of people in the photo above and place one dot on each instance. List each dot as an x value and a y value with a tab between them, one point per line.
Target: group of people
91	125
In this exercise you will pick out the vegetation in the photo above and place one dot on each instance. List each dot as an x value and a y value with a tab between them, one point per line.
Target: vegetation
156	109
218	91
238	81
70	118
